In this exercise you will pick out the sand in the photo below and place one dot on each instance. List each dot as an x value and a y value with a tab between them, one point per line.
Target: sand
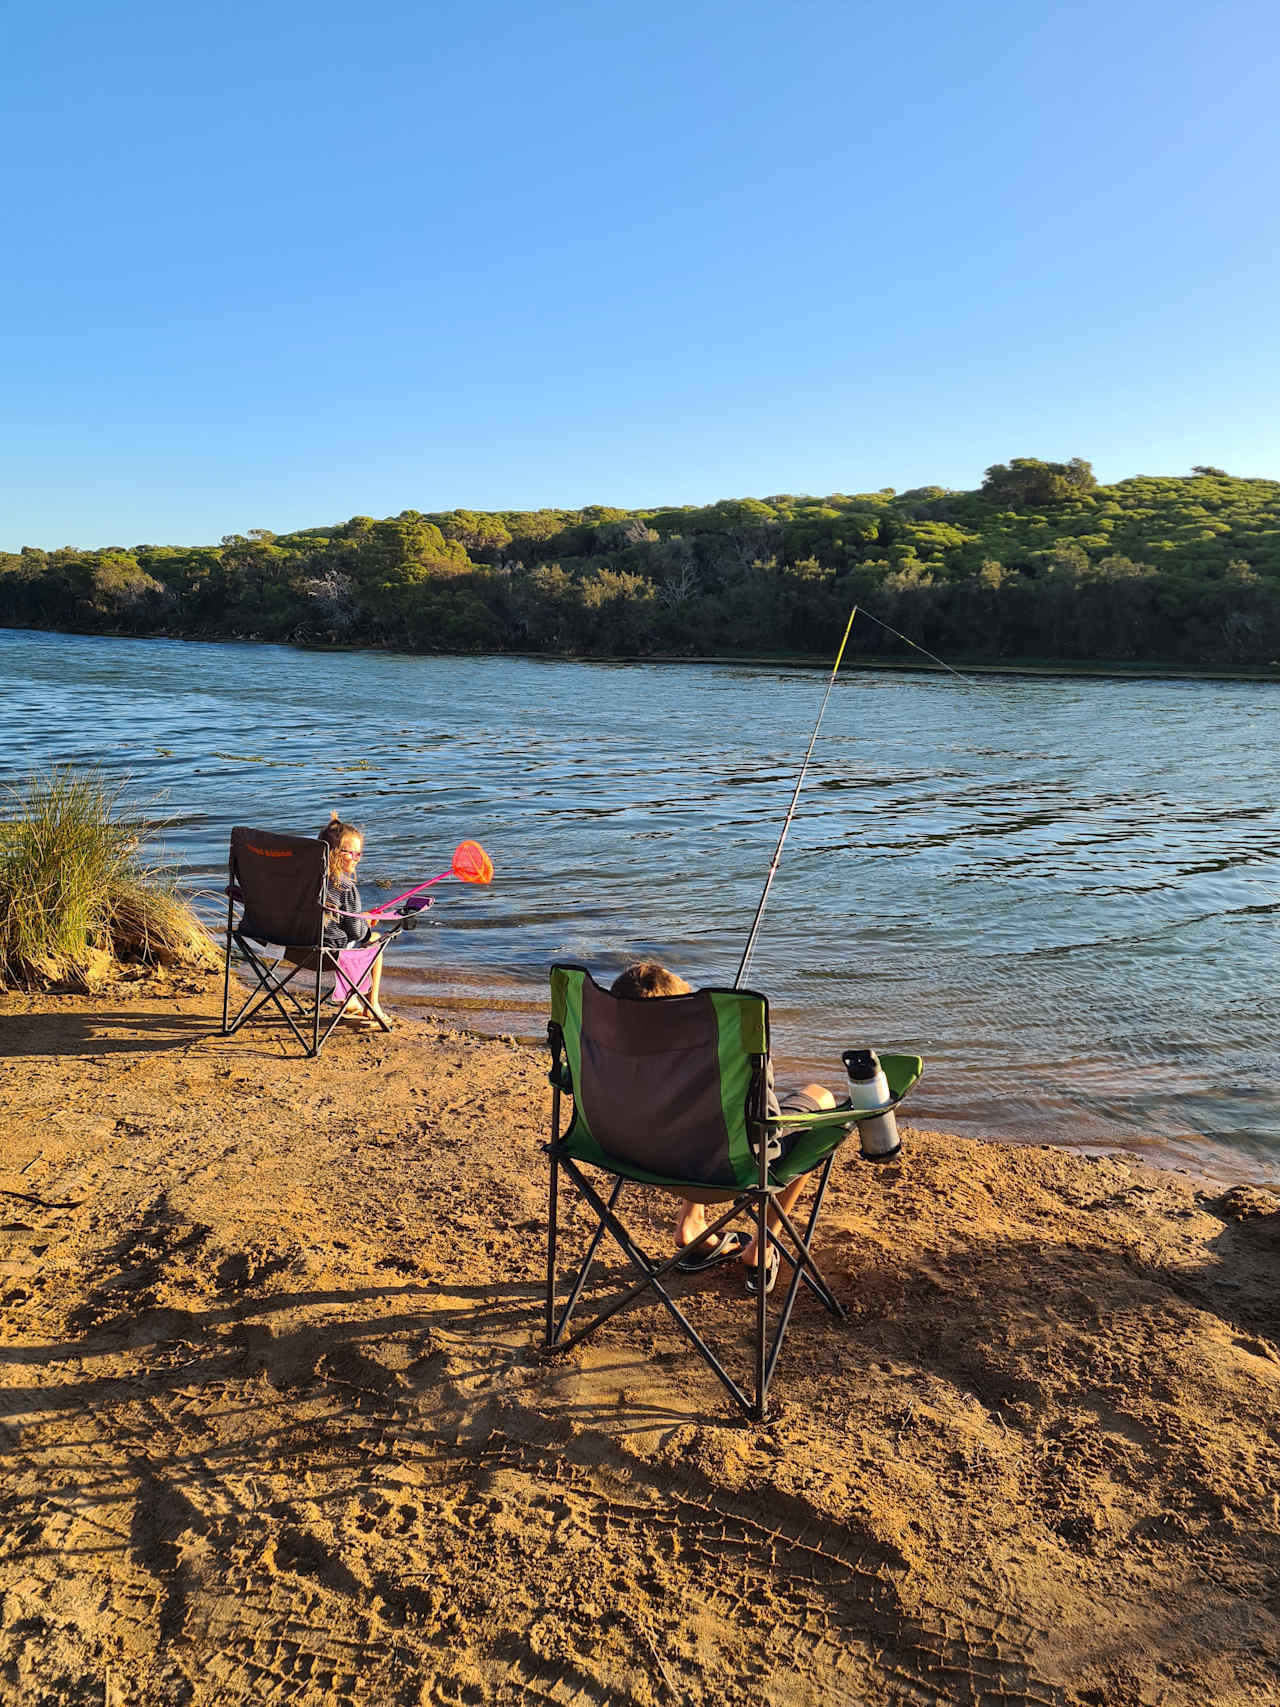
275	1426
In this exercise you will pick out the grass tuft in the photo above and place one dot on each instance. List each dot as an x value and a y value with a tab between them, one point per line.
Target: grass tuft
76	896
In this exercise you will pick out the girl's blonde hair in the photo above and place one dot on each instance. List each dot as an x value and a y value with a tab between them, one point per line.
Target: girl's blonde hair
338	835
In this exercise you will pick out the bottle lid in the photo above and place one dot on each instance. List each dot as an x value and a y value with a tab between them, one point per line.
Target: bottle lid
861	1064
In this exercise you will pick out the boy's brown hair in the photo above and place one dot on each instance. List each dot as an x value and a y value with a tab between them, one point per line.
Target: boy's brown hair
648	978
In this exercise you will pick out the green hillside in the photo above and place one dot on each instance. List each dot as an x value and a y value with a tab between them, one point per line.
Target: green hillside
1040	563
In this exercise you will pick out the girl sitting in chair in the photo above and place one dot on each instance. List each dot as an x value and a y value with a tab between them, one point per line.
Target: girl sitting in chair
347	925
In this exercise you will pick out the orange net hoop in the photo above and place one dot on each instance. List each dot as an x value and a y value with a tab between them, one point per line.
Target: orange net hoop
471	864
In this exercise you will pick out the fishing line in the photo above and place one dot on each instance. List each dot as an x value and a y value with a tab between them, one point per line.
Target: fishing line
786	822
972	682
906	639
969	681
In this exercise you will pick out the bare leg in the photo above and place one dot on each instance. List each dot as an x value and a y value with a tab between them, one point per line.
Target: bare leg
691	1229
691	1223
375	985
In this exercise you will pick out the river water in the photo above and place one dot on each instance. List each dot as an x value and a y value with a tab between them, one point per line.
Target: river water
1064	893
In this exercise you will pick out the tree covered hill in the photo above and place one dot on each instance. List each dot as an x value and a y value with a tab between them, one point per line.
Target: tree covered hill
1039	563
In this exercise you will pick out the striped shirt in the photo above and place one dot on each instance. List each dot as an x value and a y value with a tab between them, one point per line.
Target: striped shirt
342	899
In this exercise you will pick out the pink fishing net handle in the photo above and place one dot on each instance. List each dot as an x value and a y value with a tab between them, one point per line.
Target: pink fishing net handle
387	906
468	874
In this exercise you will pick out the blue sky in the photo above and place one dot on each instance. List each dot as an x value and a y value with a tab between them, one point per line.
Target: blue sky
273	265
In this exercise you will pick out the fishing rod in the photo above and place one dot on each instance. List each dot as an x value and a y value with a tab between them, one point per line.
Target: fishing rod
791	810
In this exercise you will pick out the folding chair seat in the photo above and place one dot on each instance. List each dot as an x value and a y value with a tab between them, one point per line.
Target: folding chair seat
278	881
671	1094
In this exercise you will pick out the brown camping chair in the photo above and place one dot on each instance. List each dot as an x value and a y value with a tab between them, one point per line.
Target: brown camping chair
277	881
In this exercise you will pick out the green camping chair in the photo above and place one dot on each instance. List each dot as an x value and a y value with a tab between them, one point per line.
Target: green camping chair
670	1093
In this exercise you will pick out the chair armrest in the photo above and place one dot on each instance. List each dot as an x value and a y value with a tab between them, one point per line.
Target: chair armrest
841	1115
901	1071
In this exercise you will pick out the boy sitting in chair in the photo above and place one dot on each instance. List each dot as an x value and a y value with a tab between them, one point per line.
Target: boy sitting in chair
649	978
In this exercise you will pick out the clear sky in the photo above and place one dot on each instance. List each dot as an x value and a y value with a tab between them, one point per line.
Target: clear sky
271	265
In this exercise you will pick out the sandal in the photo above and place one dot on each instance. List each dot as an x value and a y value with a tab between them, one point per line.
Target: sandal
727	1245
770	1274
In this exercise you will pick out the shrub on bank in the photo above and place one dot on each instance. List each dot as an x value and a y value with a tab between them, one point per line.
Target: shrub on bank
76	896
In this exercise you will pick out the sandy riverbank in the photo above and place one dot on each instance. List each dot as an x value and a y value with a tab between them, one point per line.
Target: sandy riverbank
274	1432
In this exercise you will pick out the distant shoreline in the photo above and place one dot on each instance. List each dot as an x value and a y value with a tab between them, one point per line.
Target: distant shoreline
1029	667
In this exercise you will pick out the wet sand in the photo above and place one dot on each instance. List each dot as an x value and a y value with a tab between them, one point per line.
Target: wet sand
275	1428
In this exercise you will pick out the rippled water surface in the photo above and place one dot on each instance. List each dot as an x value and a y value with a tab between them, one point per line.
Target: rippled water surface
1064	894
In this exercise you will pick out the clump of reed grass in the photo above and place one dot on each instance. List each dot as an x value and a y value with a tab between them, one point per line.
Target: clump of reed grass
77	896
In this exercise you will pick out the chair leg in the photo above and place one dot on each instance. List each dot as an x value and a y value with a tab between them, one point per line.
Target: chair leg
651	1276
803	1269
587	1261
553	1201
268	989
765	1348
226	976
805	1263
630	1250
762	1308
